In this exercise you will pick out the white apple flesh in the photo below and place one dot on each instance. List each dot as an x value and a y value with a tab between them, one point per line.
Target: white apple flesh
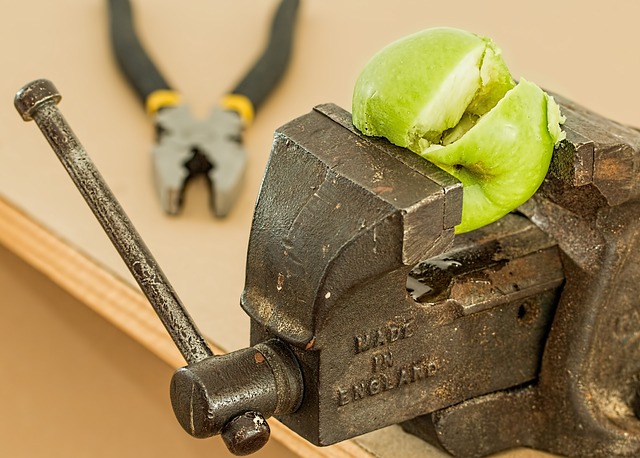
447	95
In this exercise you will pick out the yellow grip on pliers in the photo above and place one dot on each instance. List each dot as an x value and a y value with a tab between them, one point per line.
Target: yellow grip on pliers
240	104
161	98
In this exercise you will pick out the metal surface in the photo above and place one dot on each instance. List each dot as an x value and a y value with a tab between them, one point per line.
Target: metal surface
37	101
187	148
582	402
522	333
246	433
266	377
340	224
206	396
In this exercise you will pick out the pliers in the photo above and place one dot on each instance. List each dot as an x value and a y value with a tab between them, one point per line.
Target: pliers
186	147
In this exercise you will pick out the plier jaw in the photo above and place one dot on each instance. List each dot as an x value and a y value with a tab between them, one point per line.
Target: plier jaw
187	148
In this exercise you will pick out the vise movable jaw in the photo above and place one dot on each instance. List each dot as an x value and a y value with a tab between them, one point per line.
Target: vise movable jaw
524	333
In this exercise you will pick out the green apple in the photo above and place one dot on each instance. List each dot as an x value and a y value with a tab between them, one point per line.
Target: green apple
447	95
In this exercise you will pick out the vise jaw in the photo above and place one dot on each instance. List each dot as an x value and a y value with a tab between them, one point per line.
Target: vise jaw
584	401
523	333
341	222
338	225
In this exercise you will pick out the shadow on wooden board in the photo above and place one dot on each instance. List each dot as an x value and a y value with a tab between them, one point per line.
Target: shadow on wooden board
73	385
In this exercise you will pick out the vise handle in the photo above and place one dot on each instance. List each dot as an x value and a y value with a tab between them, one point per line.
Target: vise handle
230	394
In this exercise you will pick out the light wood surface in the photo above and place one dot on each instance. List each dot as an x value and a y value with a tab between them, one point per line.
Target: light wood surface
73	385
586	51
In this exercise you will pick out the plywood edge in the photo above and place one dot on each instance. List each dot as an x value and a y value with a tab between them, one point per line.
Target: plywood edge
121	304
84	279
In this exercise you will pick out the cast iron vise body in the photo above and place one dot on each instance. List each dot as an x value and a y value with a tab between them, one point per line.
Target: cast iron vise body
524	333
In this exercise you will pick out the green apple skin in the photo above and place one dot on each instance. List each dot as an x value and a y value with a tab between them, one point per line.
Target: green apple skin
420	86
504	158
447	95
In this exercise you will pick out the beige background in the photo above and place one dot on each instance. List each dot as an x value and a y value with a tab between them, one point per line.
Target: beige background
585	50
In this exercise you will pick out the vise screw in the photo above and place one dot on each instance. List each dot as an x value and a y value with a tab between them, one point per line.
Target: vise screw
367	311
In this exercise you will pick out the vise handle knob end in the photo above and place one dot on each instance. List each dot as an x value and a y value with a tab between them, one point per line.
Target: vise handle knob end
246	434
32	96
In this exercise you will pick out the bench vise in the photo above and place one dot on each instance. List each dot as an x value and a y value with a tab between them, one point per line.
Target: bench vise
367	311
523	333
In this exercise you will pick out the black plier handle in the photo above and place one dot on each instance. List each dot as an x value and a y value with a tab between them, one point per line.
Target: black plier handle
153	89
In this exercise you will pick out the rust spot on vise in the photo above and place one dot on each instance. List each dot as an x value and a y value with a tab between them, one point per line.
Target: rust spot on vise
310	344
